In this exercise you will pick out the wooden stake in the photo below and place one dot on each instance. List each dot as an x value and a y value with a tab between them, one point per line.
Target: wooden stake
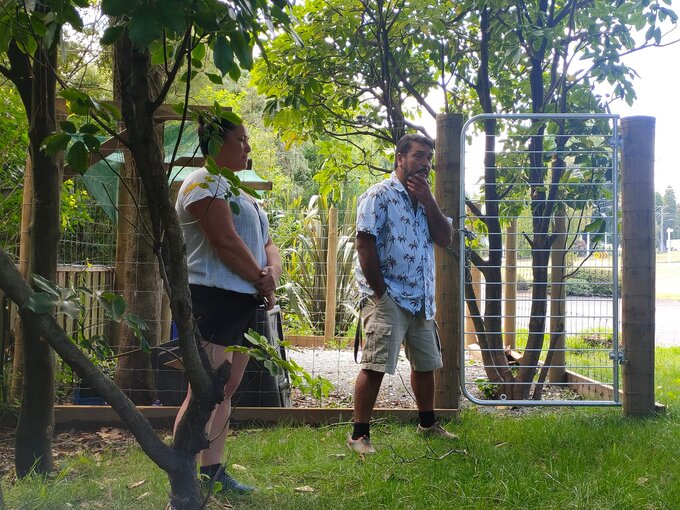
331	273
510	286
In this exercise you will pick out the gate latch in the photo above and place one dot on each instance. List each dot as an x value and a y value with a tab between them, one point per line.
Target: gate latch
617	356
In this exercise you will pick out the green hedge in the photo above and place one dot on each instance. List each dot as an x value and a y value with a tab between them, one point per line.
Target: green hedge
591	282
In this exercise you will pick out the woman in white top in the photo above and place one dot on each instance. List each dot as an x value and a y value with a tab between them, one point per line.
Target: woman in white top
233	268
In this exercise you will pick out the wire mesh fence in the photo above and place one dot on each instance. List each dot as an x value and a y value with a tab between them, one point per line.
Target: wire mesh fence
541	270
571	280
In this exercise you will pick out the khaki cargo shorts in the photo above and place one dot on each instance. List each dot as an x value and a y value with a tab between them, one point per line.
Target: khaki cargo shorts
386	326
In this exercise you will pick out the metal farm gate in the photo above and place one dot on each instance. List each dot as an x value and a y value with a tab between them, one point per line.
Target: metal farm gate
538	227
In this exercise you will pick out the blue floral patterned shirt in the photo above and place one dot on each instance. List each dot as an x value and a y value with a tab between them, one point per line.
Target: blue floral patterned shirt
405	248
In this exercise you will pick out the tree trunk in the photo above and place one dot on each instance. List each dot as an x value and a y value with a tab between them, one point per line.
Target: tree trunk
36	418
142	287
142	292
133	68
168	459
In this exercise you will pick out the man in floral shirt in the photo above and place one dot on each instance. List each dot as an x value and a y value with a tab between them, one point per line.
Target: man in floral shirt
398	223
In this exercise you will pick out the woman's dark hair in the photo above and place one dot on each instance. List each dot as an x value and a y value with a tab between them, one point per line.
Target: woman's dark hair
214	128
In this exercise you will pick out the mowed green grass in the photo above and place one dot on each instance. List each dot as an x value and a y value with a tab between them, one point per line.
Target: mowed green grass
566	459
585	459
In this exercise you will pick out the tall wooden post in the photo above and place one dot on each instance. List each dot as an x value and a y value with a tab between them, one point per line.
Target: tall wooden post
510	286
470	329
447	290
24	251
558	298
331	274
639	261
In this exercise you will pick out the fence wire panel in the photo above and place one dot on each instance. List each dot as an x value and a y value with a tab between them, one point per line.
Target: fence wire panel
538	227
317	296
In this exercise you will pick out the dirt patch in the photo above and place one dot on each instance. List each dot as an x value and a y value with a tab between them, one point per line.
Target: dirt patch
72	443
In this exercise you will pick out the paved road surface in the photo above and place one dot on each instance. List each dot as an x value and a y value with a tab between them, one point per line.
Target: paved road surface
667	323
591	314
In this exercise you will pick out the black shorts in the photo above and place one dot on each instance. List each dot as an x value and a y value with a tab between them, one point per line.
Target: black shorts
223	316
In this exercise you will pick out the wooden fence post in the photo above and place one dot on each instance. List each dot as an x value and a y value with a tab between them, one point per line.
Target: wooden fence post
331	274
24	251
447	193
510	286
639	264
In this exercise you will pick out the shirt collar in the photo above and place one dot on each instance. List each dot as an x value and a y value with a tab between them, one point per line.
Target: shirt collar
396	183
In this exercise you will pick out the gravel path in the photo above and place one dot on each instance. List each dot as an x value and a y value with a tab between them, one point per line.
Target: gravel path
338	367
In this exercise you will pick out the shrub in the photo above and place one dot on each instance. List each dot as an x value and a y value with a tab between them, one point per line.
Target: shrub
579	287
599	281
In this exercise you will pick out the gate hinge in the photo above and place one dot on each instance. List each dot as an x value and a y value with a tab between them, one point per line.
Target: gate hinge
616	141
617	356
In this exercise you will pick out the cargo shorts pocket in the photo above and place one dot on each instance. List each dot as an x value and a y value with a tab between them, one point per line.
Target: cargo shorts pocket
377	347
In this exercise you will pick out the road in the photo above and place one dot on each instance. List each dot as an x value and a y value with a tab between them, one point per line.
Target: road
593	314
667	329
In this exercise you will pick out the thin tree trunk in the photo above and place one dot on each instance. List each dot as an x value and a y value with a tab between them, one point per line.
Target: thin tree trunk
142	288
36	418
142	293
133	68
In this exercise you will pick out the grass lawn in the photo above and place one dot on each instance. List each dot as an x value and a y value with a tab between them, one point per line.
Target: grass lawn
580	459
529	459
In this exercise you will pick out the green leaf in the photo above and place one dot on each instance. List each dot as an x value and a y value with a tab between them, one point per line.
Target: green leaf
158	52
214	145
78	157
27	44
71	94
235	73
89	129
223	57
215	78
70	14
55	143
5	36
113	304
596	225
243	50
41	302
139	329
118	7
70	308
111	109
92	142
112	34
145	27
46	285
198	52
231	117
206	18
173	15
67	126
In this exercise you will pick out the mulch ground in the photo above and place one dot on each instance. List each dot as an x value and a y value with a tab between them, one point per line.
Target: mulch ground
70	443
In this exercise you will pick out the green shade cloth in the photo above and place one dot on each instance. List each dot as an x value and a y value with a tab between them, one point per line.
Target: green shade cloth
101	179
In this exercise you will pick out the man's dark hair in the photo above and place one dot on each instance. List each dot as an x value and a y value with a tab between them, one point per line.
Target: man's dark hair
216	127
405	142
